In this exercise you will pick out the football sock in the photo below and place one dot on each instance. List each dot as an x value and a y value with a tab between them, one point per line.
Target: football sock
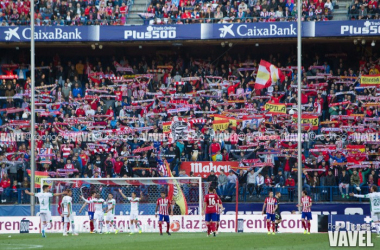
68	226
273	227
138	225
91	226
101	226
64	227
43	227
304	225
160	227
377	227
108	227
73	227
167	227
208	228
276	226
268	226
114	224
132	228
308	226
217	226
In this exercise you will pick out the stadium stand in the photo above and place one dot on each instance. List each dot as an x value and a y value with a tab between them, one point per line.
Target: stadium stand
119	96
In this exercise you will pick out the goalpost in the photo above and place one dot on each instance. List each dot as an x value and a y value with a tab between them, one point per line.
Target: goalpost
186	192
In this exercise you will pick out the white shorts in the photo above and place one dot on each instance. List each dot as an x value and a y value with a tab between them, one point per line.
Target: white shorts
375	216
99	216
134	215
45	216
110	217
68	219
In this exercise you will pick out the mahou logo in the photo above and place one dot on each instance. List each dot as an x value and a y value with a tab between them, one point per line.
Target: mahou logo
204	168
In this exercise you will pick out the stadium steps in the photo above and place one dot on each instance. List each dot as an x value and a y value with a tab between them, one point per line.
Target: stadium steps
139	6
341	13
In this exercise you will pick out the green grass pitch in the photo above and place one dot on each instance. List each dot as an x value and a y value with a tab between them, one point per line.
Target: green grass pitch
177	241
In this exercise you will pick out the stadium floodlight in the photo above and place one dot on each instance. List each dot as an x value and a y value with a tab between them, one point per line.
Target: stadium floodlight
100	46
32	108
363	41
257	44
93	46
230	44
222	44
355	41
186	192
299	111
373	43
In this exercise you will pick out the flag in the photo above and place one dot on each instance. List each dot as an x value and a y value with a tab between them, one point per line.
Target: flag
275	108
175	192
166	127
220	125
360	148
268	74
38	175
231	120
313	120
370	80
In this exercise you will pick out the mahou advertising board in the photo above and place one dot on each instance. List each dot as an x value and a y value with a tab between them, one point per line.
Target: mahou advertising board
203	168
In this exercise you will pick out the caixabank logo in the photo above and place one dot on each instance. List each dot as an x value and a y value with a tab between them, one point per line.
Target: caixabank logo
55	34
246	30
361	28
151	32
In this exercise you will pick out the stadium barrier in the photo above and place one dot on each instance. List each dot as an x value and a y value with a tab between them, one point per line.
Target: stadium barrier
291	223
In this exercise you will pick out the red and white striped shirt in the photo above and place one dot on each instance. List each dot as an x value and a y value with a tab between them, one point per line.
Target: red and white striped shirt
66	151
271	205
163	205
91	206
306	201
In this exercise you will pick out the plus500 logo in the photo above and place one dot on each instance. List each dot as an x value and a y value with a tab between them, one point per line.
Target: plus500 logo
152	33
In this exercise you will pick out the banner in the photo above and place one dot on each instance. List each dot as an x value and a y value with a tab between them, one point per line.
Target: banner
361	148
50	33
204	168
308	119
204	31
372	80
166	127
251	121
231	120
291	223
275	108
175	192
38	175
220	125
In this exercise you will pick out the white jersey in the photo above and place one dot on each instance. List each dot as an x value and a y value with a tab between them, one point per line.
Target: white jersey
67	205
98	203
374	201
134	204
111	203
44	200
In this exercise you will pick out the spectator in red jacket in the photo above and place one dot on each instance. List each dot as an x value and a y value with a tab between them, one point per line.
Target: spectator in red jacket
290	183
5	184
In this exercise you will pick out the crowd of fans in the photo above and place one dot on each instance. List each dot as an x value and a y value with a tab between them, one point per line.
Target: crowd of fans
115	12
238	11
111	97
364	10
65	12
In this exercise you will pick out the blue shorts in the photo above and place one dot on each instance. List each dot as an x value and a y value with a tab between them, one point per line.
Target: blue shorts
217	217
211	217
271	217
163	218
306	215
91	215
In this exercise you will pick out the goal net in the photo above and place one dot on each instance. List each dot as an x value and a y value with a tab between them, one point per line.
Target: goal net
185	192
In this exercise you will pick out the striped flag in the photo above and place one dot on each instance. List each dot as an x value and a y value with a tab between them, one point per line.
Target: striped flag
267	74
